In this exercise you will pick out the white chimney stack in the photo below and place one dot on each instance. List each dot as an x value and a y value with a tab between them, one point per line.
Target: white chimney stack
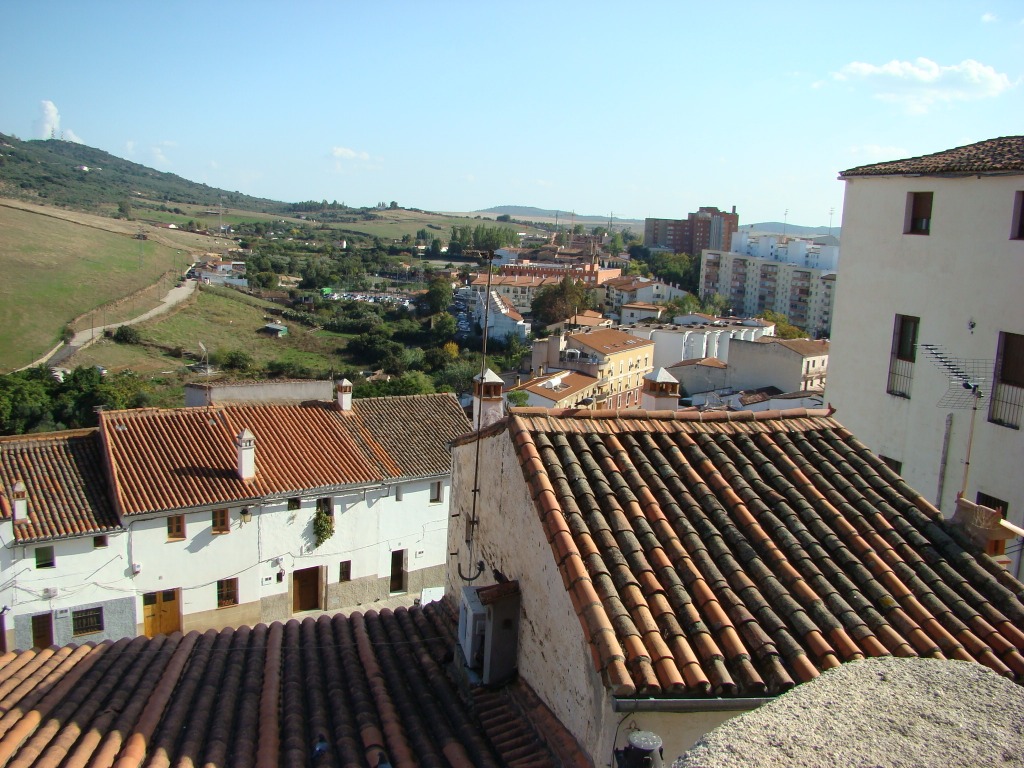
19	497
343	393
660	391
246	445
488	403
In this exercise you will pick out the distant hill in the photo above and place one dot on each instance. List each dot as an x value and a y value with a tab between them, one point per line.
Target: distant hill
794	230
67	174
548	215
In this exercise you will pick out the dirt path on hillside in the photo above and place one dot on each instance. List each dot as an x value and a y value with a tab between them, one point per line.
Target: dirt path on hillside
84	338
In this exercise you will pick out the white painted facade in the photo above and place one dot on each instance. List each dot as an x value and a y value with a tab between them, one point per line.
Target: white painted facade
963	281
694	337
765	364
86	571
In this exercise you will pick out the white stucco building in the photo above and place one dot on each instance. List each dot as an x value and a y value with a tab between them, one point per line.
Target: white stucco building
222	515
934	255
696	336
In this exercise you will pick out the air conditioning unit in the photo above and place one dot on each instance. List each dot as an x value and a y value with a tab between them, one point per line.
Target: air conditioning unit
50	592
472	626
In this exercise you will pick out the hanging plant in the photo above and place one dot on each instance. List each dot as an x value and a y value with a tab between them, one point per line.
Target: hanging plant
323	526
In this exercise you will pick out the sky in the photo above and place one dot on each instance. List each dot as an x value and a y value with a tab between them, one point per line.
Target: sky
640	109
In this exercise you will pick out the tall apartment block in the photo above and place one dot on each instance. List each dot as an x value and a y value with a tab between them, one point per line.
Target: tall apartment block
794	278
707	228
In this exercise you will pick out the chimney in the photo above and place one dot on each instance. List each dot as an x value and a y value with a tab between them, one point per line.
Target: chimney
488	403
986	528
246	445
660	392
19	505
343	394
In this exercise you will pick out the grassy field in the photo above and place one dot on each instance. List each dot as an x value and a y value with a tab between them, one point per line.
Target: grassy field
224	321
56	270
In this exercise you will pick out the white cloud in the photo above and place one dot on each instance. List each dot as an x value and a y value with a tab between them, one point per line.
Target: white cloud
157	153
344	153
345	158
920	84
129	148
47	126
987	18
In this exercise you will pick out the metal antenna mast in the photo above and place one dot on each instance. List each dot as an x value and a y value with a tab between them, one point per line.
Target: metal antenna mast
965	379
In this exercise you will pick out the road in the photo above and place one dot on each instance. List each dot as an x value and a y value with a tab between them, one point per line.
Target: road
84	338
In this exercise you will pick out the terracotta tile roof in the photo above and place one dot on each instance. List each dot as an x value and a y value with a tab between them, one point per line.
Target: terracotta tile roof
803	347
710	362
65	481
570	382
186	457
1001	155
742	553
607	341
261	696
414	430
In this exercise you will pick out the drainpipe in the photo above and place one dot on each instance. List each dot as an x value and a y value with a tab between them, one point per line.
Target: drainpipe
943	460
689	705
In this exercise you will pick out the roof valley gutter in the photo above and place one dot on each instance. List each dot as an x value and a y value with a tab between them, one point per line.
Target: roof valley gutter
689	705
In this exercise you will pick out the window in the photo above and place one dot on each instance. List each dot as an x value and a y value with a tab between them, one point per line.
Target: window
325	506
227	592
176	527
99	542
86	621
45	557
1007	400
398	493
904	354
919	213
294	503
893	464
436	492
345	571
1017	227
221	521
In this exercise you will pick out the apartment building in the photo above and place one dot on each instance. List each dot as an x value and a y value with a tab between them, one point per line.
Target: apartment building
617	360
795	278
707	228
930	315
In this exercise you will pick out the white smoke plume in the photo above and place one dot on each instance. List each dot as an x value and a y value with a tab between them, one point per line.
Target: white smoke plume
48	124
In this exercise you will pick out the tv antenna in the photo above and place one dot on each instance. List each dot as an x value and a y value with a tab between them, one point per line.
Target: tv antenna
965	379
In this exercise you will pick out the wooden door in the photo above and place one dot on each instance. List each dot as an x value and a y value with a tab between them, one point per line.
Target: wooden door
306	589
42	630
160	612
398	570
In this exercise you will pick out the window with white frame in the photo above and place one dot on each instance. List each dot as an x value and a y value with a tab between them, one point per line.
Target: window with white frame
436	492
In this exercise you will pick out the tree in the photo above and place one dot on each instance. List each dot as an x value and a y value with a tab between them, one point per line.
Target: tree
715	304
127	334
783	328
434	252
517	398
557	302
393	205
443	329
124	209
439	294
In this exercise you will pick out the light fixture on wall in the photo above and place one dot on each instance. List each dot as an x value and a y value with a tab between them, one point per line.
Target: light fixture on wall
246	515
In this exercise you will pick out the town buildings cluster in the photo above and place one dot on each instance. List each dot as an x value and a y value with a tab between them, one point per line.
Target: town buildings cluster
615	553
